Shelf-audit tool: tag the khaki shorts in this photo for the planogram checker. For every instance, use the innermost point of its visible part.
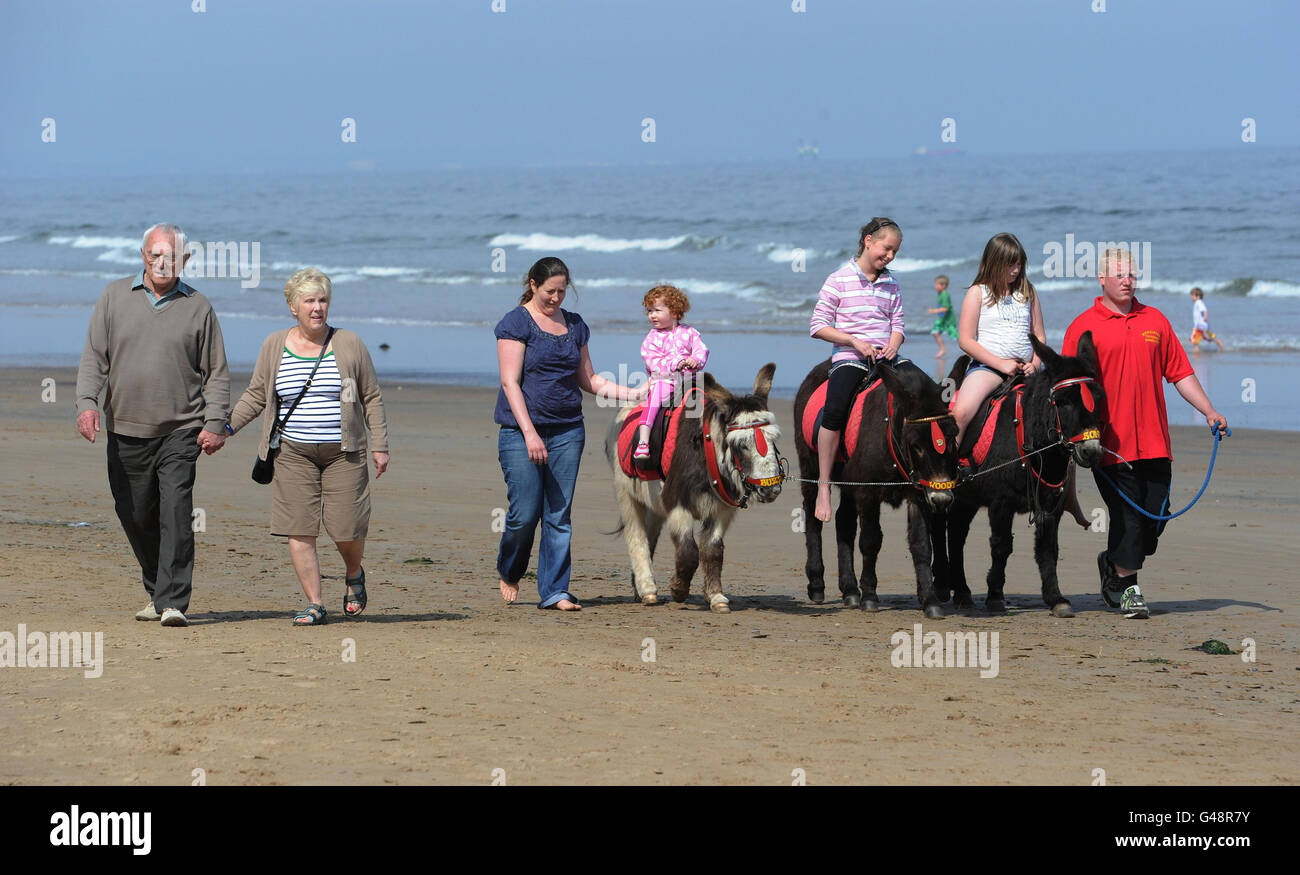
(315, 480)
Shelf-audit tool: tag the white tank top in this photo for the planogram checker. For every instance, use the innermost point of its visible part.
(1004, 327)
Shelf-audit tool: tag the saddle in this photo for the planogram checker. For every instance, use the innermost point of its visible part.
(663, 439)
(812, 418)
(978, 440)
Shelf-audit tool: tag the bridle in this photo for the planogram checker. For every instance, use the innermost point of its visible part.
(1089, 404)
(936, 438)
(711, 453)
(1060, 440)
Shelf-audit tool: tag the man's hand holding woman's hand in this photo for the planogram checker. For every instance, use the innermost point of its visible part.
(211, 441)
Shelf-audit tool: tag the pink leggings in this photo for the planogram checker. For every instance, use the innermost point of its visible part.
(660, 392)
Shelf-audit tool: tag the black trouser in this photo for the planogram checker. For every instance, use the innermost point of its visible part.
(152, 481)
(844, 380)
(1132, 537)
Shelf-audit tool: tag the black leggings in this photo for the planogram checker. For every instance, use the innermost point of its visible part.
(844, 380)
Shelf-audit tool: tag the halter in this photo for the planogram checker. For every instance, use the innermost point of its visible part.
(1089, 404)
(936, 438)
(1061, 440)
(716, 479)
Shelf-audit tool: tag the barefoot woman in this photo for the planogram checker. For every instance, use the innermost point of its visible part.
(542, 354)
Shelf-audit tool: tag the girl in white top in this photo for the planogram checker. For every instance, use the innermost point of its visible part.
(997, 316)
(999, 312)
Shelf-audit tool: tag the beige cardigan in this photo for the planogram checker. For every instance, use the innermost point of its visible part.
(361, 403)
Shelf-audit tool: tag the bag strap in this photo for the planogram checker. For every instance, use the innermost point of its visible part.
(278, 428)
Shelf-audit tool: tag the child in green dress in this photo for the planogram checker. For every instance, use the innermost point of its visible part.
(946, 323)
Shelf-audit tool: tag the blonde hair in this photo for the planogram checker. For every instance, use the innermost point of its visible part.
(309, 279)
(1110, 256)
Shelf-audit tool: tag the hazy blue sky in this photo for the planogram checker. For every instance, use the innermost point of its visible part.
(151, 86)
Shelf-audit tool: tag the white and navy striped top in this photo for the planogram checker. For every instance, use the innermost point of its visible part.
(318, 419)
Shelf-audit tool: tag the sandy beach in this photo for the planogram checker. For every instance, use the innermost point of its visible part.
(450, 686)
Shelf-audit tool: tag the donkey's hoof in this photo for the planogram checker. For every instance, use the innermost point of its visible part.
(718, 604)
(934, 612)
(680, 594)
(943, 595)
(1063, 610)
(649, 599)
(852, 601)
(871, 603)
(995, 606)
(963, 601)
(816, 596)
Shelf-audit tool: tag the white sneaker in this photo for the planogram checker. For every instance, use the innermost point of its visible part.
(147, 613)
(173, 617)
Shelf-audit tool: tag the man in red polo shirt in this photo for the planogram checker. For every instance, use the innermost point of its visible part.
(1136, 347)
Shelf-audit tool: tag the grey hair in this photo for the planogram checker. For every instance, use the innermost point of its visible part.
(178, 236)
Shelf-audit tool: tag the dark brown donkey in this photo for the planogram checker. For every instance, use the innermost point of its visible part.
(1040, 426)
(905, 438)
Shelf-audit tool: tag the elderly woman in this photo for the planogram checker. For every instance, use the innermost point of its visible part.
(545, 368)
(320, 471)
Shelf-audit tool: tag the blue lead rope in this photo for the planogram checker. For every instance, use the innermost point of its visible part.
(1227, 432)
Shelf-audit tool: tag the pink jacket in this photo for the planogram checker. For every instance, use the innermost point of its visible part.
(664, 350)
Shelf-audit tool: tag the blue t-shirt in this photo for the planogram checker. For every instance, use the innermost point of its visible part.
(550, 376)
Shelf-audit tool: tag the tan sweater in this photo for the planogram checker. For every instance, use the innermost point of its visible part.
(361, 403)
(164, 370)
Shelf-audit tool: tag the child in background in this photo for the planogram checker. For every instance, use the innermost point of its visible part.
(1201, 321)
(671, 351)
(946, 323)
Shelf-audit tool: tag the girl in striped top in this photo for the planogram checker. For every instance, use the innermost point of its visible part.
(860, 310)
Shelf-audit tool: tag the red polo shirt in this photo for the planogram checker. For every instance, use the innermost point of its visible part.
(1134, 350)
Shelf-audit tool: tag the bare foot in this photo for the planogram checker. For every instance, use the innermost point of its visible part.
(941, 353)
(1079, 518)
(566, 605)
(509, 592)
(823, 509)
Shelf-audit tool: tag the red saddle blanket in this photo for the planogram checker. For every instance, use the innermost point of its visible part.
(987, 427)
(812, 417)
(663, 441)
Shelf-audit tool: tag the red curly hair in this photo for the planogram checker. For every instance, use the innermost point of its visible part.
(674, 298)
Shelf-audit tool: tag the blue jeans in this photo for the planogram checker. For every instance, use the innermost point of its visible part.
(540, 493)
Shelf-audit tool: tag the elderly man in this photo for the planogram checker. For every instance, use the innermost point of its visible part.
(1136, 347)
(155, 343)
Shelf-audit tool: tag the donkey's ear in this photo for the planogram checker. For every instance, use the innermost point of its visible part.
(763, 382)
(716, 392)
(958, 372)
(894, 385)
(1046, 353)
(1087, 350)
